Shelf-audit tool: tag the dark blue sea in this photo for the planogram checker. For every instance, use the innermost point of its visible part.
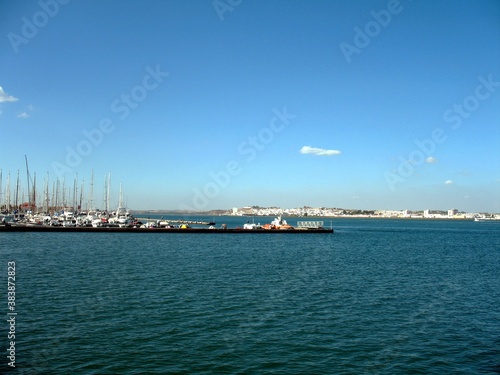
(376, 297)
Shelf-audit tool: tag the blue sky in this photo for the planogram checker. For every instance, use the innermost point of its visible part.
(208, 104)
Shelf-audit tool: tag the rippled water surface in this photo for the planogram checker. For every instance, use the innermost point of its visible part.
(378, 296)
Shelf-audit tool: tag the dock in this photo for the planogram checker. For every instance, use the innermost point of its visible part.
(116, 229)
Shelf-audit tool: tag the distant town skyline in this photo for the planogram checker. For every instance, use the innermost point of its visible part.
(205, 105)
(333, 212)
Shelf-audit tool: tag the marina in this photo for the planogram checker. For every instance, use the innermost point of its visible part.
(71, 210)
(126, 223)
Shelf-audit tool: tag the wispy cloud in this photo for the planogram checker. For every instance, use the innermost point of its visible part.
(26, 114)
(448, 182)
(431, 160)
(318, 151)
(4, 97)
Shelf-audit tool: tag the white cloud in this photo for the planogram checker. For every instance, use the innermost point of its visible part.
(4, 97)
(25, 114)
(431, 159)
(318, 151)
(448, 182)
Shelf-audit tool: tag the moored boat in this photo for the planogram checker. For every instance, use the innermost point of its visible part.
(278, 224)
(487, 219)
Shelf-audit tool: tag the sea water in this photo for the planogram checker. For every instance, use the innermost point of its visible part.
(375, 297)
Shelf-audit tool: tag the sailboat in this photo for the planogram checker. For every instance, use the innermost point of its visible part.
(122, 215)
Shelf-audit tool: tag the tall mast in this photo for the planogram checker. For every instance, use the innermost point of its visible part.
(63, 201)
(7, 193)
(46, 196)
(75, 193)
(53, 201)
(34, 193)
(107, 192)
(91, 193)
(16, 202)
(120, 202)
(57, 196)
(104, 195)
(28, 178)
(80, 207)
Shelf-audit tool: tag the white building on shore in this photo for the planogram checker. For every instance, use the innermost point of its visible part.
(338, 212)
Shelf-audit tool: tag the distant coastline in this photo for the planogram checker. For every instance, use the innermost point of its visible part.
(323, 212)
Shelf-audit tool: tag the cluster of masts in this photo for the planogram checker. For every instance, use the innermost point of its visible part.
(16, 198)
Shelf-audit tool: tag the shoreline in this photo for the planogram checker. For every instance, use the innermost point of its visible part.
(207, 214)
